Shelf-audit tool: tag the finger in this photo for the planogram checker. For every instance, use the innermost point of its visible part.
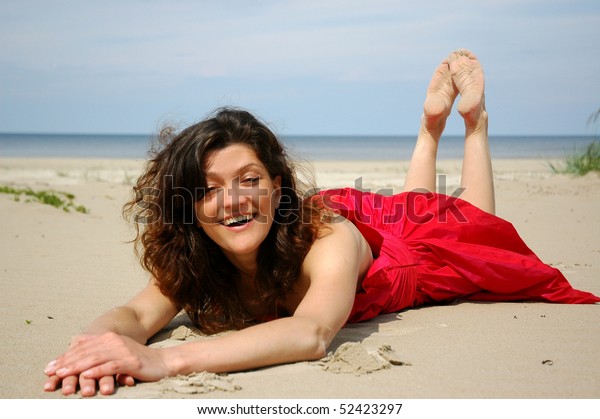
(69, 385)
(52, 383)
(50, 369)
(87, 386)
(95, 351)
(107, 385)
(125, 380)
(53, 365)
(74, 352)
(75, 362)
(107, 368)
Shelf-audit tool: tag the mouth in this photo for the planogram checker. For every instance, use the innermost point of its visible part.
(238, 220)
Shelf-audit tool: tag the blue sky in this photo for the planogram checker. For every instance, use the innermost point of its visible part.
(306, 67)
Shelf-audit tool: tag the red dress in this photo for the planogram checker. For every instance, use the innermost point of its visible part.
(432, 248)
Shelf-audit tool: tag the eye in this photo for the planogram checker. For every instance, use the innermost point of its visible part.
(210, 190)
(251, 180)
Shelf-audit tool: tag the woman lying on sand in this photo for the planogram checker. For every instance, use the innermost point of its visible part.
(227, 237)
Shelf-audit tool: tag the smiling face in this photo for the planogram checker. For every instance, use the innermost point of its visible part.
(238, 207)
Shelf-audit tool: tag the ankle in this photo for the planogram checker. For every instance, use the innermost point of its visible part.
(475, 125)
(433, 126)
(427, 143)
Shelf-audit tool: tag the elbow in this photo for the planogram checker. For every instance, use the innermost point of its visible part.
(318, 340)
(319, 350)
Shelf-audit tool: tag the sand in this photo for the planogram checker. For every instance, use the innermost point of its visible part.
(61, 269)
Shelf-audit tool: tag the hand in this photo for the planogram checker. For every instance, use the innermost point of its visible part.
(92, 359)
(69, 384)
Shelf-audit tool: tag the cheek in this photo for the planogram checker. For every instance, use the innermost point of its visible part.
(267, 203)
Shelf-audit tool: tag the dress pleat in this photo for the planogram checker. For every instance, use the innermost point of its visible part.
(431, 248)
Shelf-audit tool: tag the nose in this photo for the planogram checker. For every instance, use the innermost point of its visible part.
(235, 197)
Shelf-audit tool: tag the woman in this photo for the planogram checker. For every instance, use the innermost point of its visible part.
(227, 238)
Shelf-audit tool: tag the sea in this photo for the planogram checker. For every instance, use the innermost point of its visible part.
(311, 147)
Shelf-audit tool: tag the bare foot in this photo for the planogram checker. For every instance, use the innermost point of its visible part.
(440, 97)
(467, 76)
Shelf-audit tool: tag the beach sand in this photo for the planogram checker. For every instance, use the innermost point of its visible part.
(60, 270)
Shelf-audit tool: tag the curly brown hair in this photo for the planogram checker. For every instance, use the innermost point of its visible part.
(189, 267)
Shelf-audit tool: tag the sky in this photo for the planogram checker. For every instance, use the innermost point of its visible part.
(325, 67)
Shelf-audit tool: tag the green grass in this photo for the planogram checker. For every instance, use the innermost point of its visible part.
(61, 200)
(580, 163)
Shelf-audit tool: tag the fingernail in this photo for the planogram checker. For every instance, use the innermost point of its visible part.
(47, 387)
(50, 367)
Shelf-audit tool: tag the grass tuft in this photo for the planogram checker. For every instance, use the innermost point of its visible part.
(57, 199)
(580, 163)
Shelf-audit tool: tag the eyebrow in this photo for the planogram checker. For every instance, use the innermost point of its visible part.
(238, 170)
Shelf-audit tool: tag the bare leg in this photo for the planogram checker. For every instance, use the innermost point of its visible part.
(438, 104)
(477, 176)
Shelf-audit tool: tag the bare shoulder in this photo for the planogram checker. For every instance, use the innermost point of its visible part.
(330, 274)
(339, 242)
(335, 235)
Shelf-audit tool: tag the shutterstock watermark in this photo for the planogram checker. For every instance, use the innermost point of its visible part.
(187, 206)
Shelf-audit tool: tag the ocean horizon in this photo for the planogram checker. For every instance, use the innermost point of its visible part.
(310, 147)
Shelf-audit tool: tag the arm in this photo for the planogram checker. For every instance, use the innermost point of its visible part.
(327, 290)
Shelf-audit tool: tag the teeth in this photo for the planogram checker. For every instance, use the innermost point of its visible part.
(237, 219)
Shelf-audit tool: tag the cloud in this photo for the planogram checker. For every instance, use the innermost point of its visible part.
(269, 52)
(336, 39)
